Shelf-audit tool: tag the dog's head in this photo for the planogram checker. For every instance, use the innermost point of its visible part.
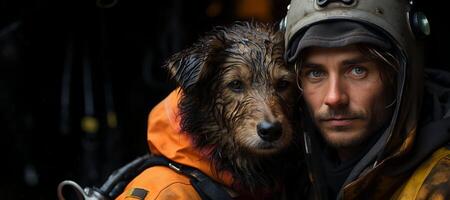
(238, 94)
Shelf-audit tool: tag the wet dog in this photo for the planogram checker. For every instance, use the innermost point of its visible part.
(238, 100)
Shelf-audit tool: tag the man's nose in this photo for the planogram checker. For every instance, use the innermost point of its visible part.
(337, 94)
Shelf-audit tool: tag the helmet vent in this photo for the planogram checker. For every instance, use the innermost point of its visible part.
(323, 3)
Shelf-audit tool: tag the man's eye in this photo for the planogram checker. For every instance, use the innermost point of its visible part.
(314, 74)
(236, 86)
(358, 71)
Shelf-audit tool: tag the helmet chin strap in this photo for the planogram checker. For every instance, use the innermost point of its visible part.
(391, 104)
(297, 71)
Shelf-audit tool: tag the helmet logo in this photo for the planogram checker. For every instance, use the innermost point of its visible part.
(323, 3)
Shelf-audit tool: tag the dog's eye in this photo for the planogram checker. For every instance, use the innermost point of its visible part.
(282, 85)
(236, 86)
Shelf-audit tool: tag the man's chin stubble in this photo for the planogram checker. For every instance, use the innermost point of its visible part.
(341, 142)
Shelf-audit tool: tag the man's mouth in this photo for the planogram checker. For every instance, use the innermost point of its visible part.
(339, 121)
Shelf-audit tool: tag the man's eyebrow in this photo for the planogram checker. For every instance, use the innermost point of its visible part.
(311, 65)
(356, 60)
(350, 61)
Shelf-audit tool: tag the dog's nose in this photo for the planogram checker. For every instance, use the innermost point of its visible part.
(269, 131)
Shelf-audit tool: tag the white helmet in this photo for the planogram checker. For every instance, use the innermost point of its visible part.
(398, 18)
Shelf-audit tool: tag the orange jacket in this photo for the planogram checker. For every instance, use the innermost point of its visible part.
(165, 138)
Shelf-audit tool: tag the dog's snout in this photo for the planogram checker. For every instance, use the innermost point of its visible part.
(269, 131)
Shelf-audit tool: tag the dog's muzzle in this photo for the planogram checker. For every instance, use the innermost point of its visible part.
(269, 131)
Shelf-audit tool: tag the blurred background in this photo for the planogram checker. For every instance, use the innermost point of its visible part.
(78, 79)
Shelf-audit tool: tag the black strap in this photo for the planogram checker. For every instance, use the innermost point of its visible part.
(207, 188)
(119, 179)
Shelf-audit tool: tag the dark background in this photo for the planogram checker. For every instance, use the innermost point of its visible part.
(62, 61)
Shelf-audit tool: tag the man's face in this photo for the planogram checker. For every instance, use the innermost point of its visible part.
(345, 94)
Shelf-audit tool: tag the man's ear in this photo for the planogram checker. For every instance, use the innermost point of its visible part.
(191, 65)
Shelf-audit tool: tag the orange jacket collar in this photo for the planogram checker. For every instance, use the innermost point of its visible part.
(165, 137)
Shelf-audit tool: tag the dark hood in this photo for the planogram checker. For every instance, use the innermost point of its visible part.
(434, 124)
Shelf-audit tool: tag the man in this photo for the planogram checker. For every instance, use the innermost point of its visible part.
(374, 127)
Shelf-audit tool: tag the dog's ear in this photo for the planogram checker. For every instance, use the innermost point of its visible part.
(191, 65)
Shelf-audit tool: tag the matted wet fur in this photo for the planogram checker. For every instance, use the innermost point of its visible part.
(238, 101)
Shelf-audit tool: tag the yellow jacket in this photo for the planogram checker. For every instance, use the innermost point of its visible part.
(430, 180)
